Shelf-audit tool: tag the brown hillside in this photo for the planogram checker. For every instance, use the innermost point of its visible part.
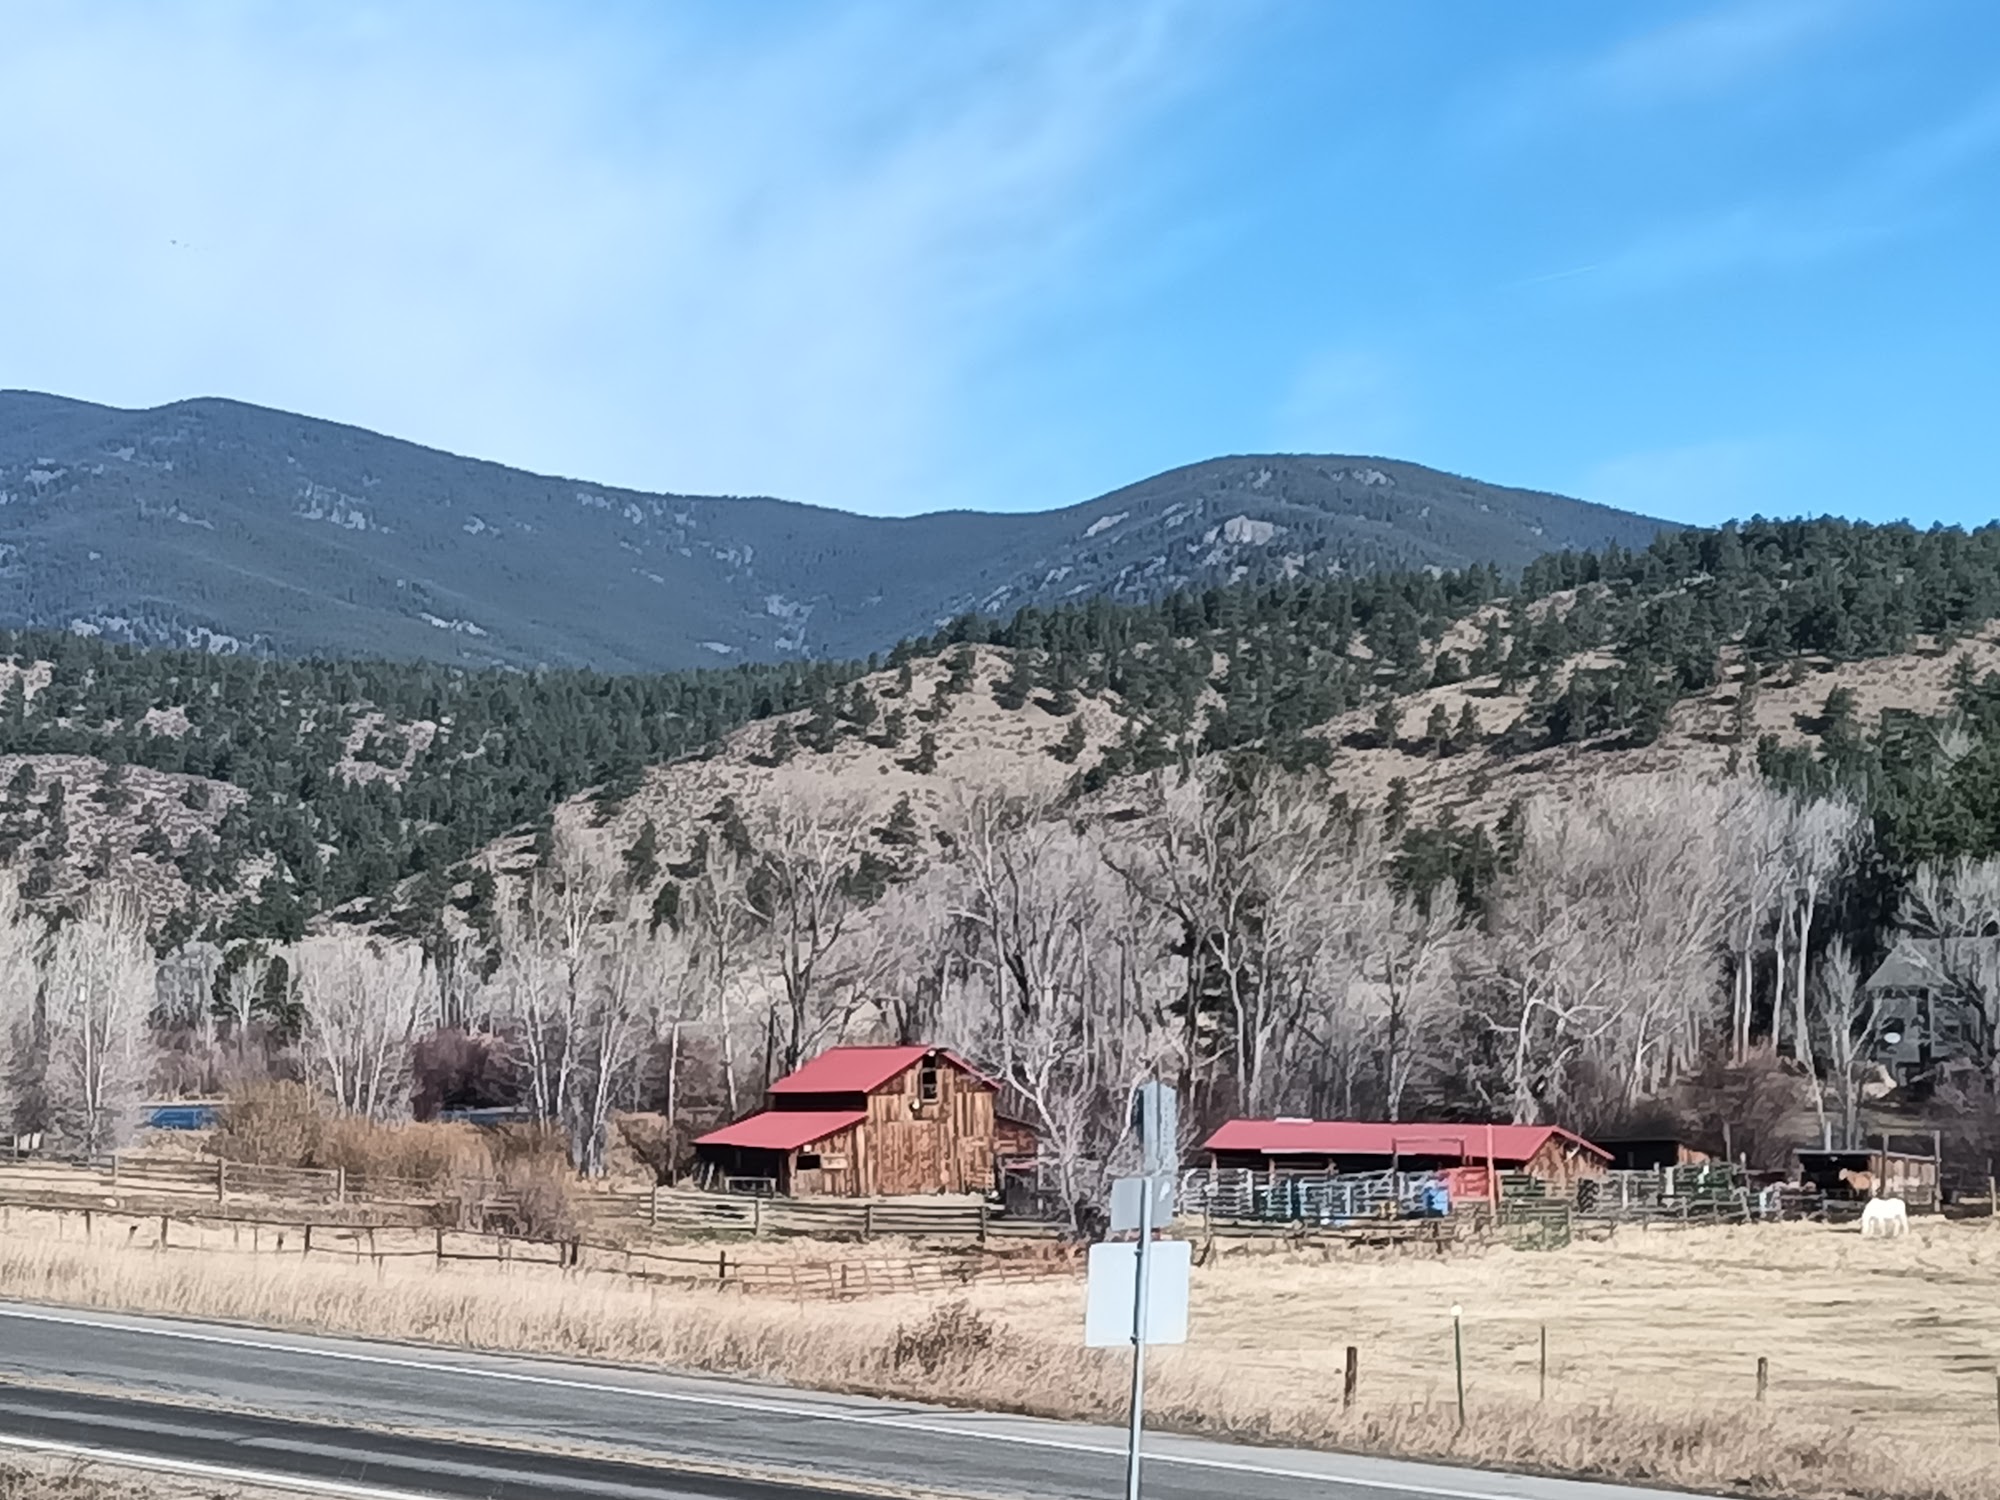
(979, 746)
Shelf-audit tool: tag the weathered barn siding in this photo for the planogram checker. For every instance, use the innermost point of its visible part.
(897, 1121)
(1560, 1165)
(941, 1144)
(838, 1167)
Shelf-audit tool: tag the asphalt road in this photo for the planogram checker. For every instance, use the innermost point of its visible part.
(371, 1418)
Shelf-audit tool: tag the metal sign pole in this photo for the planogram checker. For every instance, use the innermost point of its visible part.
(1139, 1311)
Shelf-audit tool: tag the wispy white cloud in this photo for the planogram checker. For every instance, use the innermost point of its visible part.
(1649, 68)
(1879, 198)
(1720, 47)
(689, 247)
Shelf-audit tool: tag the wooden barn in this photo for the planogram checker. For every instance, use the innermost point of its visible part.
(863, 1122)
(1558, 1158)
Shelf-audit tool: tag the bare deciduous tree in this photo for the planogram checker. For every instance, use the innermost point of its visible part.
(1057, 952)
(1412, 940)
(1238, 860)
(363, 1001)
(1605, 939)
(1846, 1015)
(1824, 837)
(583, 984)
(811, 879)
(20, 1009)
(98, 993)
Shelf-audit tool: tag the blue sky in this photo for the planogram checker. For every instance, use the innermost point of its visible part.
(1697, 259)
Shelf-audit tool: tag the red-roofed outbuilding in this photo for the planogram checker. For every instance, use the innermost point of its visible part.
(1549, 1152)
(865, 1122)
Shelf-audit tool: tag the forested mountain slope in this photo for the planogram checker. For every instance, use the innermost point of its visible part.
(1823, 653)
(1567, 848)
(212, 523)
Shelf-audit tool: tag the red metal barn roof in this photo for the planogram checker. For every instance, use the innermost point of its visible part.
(783, 1129)
(1337, 1138)
(856, 1070)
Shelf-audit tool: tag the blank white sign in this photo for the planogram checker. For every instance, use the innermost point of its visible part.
(1107, 1313)
(1126, 1195)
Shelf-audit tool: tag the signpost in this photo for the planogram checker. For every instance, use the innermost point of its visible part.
(1138, 1292)
(1126, 1209)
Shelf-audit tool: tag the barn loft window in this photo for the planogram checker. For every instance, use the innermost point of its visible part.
(927, 1081)
(808, 1161)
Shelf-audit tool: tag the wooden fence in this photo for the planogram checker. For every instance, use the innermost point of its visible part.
(827, 1218)
(836, 1279)
(121, 1178)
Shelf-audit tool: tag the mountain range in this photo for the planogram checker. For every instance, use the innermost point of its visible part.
(214, 523)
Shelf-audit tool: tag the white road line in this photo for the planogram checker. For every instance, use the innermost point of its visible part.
(926, 1426)
(195, 1470)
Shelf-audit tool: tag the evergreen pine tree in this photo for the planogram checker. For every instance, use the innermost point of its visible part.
(925, 760)
(642, 860)
(1466, 734)
(1388, 723)
(1072, 744)
(1396, 810)
(1012, 691)
(782, 745)
(1437, 730)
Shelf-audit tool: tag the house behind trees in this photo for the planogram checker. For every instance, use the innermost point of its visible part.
(1928, 1003)
(863, 1122)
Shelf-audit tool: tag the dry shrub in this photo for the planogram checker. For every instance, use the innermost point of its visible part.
(953, 1335)
(541, 1198)
(446, 1159)
(287, 1125)
(270, 1125)
(652, 1144)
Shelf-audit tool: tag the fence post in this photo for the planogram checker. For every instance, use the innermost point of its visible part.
(1545, 1364)
(867, 1221)
(440, 1245)
(653, 1208)
(721, 1268)
(1763, 1375)
(1458, 1361)
(163, 1231)
(1350, 1379)
(222, 1179)
(756, 1217)
(308, 1247)
(114, 1171)
(340, 1186)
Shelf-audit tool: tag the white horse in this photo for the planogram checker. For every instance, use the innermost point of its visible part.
(1884, 1218)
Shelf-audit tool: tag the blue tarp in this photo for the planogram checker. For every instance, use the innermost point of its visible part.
(183, 1116)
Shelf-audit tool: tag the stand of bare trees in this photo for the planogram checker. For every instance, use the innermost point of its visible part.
(1251, 933)
(583, 986)
(76, 1002)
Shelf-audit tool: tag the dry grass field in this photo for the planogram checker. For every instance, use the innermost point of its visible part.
(61, 1479)
(1897, 1337)
(1882, 1353)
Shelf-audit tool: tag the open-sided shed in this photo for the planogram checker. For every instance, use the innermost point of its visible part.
(1874, 1172)
(1549, 1153)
